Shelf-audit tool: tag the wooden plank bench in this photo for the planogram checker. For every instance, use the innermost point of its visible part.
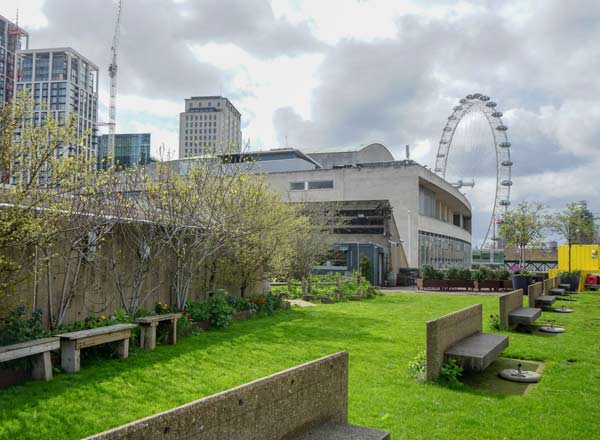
(309, 401)
(72, 343)
(39, 350)
(459, 336)
(512, 313)
(148, 325)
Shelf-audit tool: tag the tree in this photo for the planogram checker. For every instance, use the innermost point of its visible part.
(265, 229)
(42, 168)
(575, 224)
(313, 239)
(523, 227)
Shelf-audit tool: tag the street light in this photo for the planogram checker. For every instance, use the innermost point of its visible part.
(409, 247)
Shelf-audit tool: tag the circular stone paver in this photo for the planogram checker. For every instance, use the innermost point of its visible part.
(562, 310)
(522, 376)
(551, 329)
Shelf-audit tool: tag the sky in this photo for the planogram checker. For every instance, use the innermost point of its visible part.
(311, 73)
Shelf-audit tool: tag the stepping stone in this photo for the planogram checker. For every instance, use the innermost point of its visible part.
(551, 329)
(562, 310)
(522, 376)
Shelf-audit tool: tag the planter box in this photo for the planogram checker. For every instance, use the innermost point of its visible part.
(201, 325)
(507, 284)
(238, 316)
(490, 284)
(424, 283)
(460, 284)
(520, 282)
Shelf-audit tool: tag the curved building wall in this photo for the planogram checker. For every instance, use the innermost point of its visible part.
(399, 182)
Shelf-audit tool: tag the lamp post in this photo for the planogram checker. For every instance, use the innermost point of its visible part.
(409, 256)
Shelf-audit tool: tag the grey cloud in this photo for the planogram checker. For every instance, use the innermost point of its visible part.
(156, 58)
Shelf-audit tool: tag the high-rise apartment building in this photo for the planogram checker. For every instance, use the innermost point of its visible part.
(63, 83)
(209, 124)
(131, 149)
(12, 38)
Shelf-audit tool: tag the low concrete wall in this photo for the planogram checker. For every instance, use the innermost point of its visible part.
(508, 303)
(279, 406)
(533, 291)
(446, 331)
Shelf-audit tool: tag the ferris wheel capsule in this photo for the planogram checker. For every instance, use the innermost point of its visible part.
(497, 114)
(501, 128)
(491, 104)
(507, 183)
(484, 98)
(507, 163)
(469, 96)
(504, 145)
(462, 101)
(504, 202)
(448, 129)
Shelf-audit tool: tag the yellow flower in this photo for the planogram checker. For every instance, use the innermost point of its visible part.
(102, 318)
(165, 306)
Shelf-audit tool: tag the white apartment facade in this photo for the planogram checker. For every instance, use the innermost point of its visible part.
(11, 40)
(209, 124)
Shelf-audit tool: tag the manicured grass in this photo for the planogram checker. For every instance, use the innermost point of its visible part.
(381, 335)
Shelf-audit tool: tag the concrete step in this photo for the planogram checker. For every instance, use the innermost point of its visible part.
(338, 431)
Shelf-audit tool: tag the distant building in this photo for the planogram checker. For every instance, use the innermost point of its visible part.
(63, 83)
(11, 38)
(131, 149)
(209, 124)
(399, 214)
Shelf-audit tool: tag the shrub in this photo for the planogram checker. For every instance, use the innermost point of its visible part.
(365, 267)
(416, 367)
(479, 275)
(494, 322)
(428, 272)
(504, 274)
(464, 273)
(17, 328)
(451, 373)
(453, 273)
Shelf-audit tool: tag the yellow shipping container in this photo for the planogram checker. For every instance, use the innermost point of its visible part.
(584, 257)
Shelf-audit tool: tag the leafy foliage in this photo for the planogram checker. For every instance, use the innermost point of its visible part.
(417, 367)
(523, 226)
(451, 373)
(17, 328)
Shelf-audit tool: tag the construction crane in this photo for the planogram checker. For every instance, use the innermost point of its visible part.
(112, 73)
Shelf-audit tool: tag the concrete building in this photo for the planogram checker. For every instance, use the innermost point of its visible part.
(131, 149)
(209, 124)
(399, 213)
(12, 39)
(63, 83)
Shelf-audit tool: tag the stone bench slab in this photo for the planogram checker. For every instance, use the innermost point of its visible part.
(524, 315)
(557, 291)
(337, 431)
(545, 300)
(478, 351)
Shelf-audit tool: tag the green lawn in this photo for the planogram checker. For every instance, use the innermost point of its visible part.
(381, 335)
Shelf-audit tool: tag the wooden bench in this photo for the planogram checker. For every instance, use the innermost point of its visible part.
(459, 336)
(309, 401)
(148, 325)
(512, 313)
(72, 343)
(39, 350)
(537, 298)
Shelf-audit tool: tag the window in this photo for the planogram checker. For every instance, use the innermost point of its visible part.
(456, 219)
(297, 186)
(320, 184)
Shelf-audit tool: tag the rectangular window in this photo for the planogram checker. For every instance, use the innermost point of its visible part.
(456, 219)
(320, 184)
(297, 186)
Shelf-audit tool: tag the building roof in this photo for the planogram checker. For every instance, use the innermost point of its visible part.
(60, 49)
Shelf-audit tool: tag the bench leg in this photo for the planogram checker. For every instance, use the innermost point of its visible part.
(42, 367)
(123, 348)
(69, 356)
(172, 332)
(148, 336)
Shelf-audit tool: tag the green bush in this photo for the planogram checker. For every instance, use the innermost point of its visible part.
(453, 273)
(504, 274)
(464, 273)
(429, 272)
(417, 367)
(17, 328)
(494, 322)
(216, 309)
(451, 373)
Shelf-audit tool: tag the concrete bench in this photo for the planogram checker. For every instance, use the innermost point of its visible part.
(512, 313)
(536, 296)
(148, 325)
(72, 343)
(39, 350)
(551, 287)
(557, 291)
(459, 336)
(309, 401)
(525, 316)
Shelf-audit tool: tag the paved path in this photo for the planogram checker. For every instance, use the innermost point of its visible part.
(300, 303)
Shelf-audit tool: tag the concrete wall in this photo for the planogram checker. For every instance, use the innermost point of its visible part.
(276, 407)
(533, 291)
(508, 303)
(95, 292)
(446, 331)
